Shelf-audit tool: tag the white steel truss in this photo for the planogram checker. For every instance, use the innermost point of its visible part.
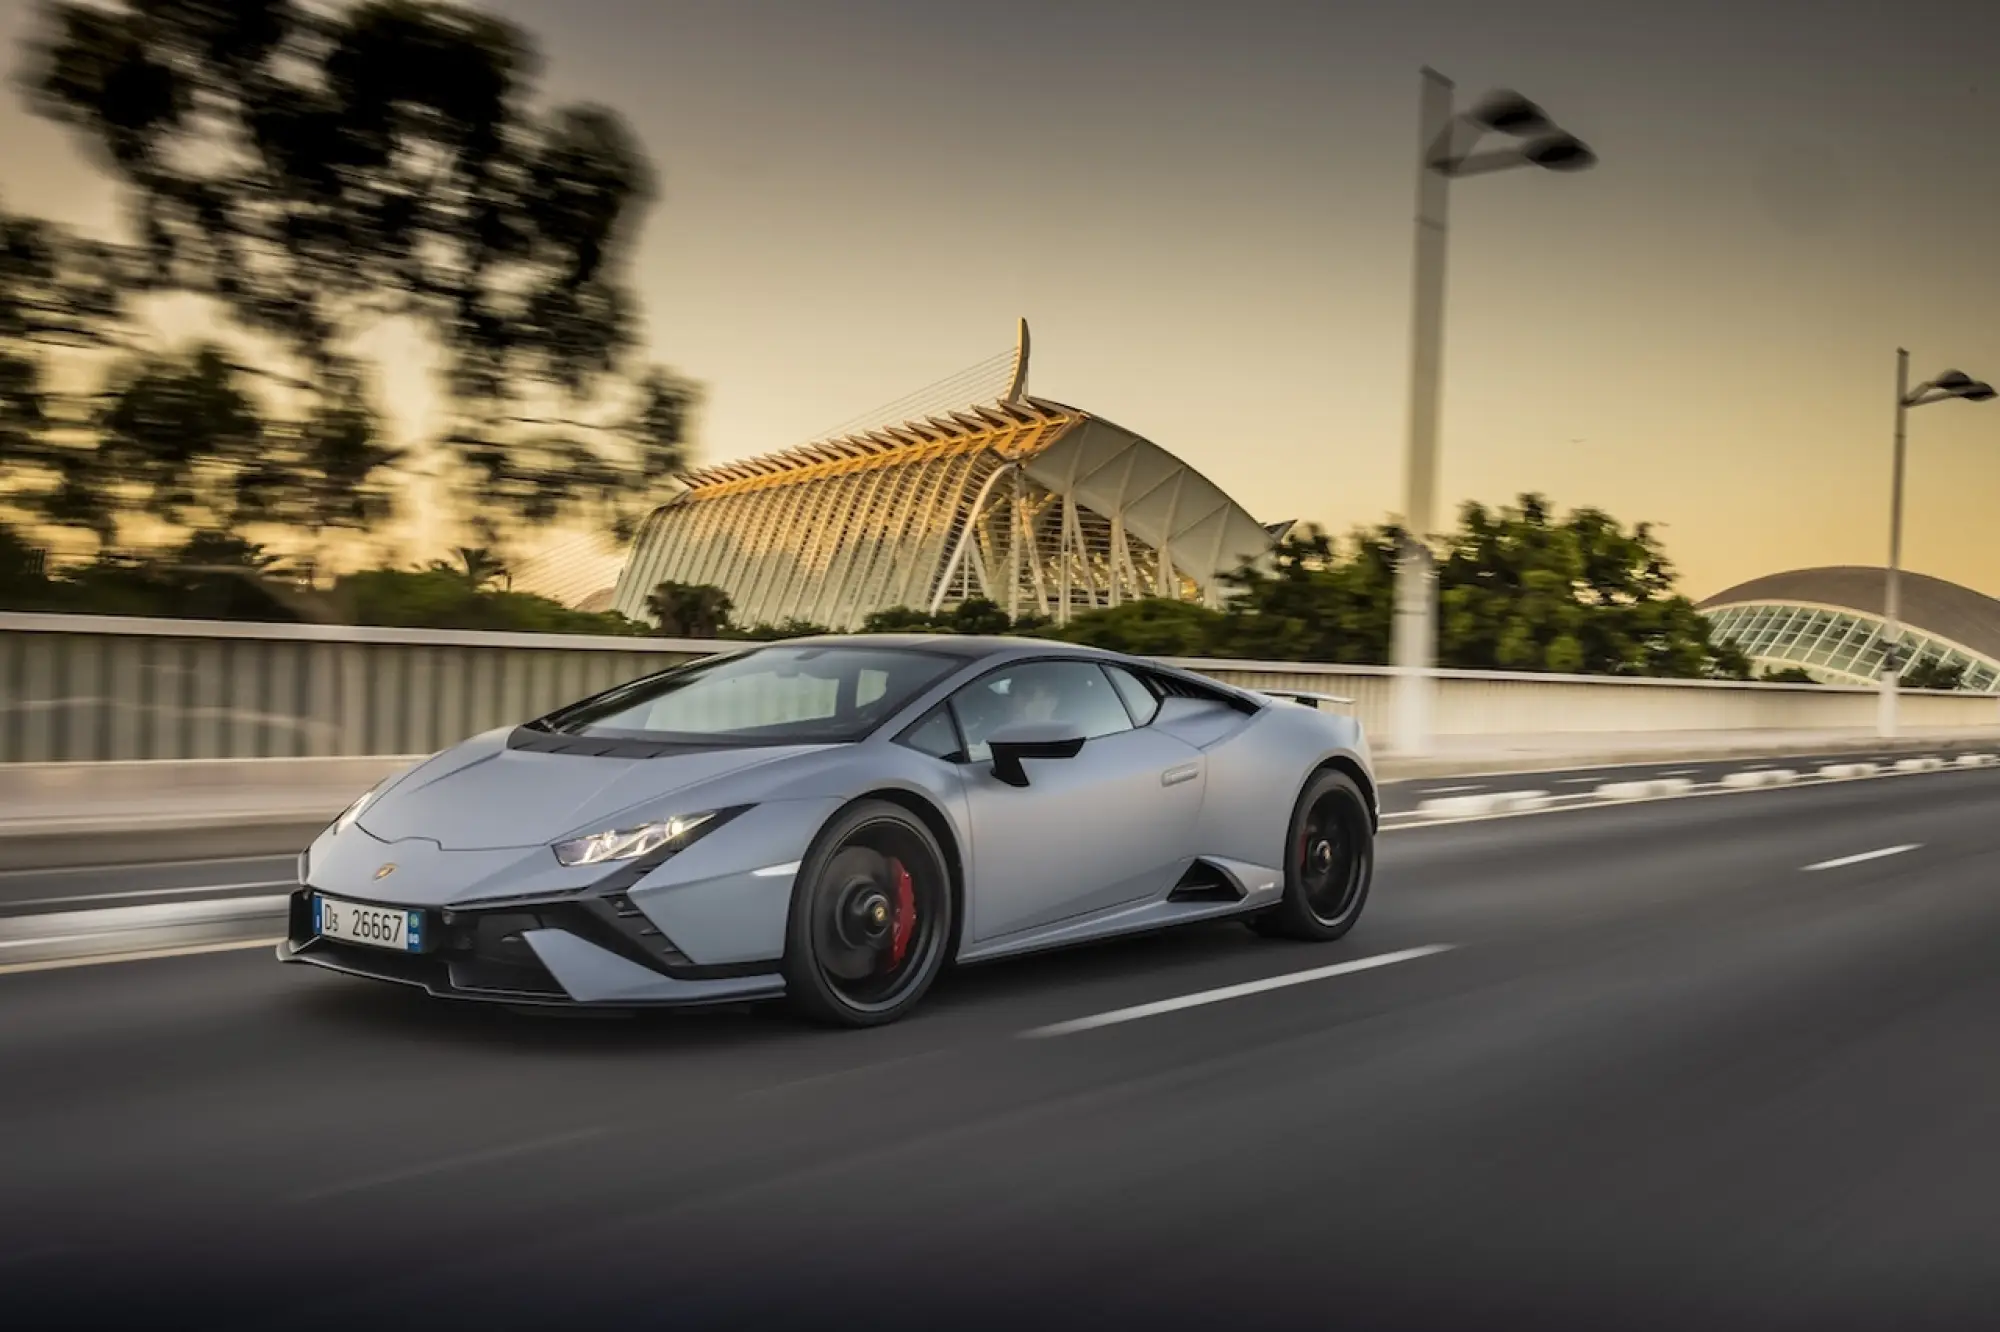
(1035, 506)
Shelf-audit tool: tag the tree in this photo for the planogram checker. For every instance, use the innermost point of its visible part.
(443, 598)
(477, 565)
(689, 610)
(765, 633)
(1317, 602)
(1787, 675)
(1934, 673)
(175, 434)
(1152, 627)
(329, 471)
(317, 174)
(58, 295)
(1523, 590)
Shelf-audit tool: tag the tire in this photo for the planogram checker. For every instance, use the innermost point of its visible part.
(875, 873)
(1326, 877)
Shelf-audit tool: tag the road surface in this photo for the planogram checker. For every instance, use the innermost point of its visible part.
(1690, 1063)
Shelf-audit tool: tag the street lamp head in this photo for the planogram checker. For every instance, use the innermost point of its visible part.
(1509, 113)
(1560, 152)
(1953, 381)
(1977, 391)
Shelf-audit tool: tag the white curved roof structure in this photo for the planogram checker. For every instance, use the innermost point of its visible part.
(1034, 505)
(1830, 622)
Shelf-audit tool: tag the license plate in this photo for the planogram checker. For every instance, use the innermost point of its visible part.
(377, 927)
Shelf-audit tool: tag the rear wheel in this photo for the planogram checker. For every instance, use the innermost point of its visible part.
(870, 920)
(1329, 862)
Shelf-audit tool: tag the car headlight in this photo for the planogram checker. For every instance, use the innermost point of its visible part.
(630, 843)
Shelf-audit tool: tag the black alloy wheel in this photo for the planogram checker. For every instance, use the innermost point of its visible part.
(1329, 862)
(871, 917)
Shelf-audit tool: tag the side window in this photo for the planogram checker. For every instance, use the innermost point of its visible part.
(934, 735)
(1139, 698)
(1038, 691)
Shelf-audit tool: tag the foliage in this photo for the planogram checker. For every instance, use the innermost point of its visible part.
(1518, 589)
(689, 610)
(765, 633)
(447, 599)
(219, 576)
(1154, 627)
(1934, 673)
(319, 173)
(1787, 675)
(477, 565)
(1523, 590)
(975, 615)
(57, 293)
(200, 582)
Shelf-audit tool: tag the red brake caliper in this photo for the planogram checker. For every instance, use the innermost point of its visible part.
(905, 920)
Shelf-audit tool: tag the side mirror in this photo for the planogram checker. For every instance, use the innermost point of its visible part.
(1031, 740)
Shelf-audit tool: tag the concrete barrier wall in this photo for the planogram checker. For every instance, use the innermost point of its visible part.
(104, 689)
(1505, 703)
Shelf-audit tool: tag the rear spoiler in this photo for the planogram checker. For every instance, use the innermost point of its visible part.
(1302, 696)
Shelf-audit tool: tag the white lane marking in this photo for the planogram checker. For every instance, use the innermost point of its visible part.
(1227, 992)
(1447, 790)
(148, 955)
(1577, 781)
(1865, 855)
(776, 871)
(149, 892)
(449, 1163)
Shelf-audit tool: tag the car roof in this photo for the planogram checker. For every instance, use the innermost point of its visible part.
(972, 647)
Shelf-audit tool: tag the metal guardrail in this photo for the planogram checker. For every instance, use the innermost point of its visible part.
(77, 688)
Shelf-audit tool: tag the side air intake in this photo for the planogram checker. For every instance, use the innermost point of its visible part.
(1203, 882)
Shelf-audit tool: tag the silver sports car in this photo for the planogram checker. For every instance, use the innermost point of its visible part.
(834, 820)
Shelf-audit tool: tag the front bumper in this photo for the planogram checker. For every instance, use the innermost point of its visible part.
(594, 950)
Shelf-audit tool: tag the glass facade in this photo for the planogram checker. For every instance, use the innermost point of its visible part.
(1838, 646)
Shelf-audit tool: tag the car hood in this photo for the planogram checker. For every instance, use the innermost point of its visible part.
(509, 798)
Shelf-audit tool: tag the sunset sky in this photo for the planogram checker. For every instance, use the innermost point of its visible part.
(1204, 212)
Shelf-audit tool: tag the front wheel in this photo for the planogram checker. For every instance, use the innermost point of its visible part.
(870, 919)
(1329, 862)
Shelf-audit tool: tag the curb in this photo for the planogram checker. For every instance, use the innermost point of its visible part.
(1389, 768)
(1466, 808)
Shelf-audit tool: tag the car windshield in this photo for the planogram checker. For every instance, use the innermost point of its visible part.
(772, 695)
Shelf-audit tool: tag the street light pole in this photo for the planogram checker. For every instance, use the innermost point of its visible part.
(1885, 711)
(1950, 384)
(1445, 148)
(1415, 629)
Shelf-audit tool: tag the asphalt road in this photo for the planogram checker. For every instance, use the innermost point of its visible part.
(85, 886)
(1664, 1075)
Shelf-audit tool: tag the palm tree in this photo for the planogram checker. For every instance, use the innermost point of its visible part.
(477, 565)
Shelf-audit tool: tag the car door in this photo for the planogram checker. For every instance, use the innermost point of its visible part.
(1109, 826)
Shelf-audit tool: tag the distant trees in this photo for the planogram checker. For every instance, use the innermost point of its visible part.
(1934, 673)
(1518, 588)
(1521, 589)
(689, 610)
